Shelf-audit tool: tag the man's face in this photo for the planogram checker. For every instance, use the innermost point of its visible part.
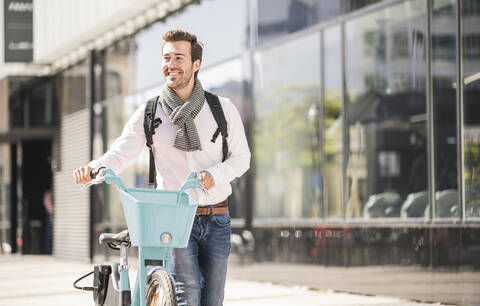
(177, 65)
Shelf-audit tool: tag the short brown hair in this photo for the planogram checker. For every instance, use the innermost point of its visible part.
(196, 49)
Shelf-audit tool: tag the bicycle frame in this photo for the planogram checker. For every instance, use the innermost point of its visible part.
(146, 254)
(157, 221)
(156, 257)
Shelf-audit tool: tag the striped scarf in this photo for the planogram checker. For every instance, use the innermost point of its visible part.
(182, 114)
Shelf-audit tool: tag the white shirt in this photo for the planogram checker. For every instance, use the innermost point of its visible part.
(174, 165)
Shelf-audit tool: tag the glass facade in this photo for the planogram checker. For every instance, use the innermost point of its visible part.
(333, 122)
(286, 131)
(444, 78)
(470, 42)
(135, 175)
(120, 68)
(73, 84)
(385, 105)
(277, 18)
(232, 84)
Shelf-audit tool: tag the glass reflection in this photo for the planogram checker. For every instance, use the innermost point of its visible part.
(471, 91)
(444, 77)
(286, 147)
(277, 18)
(74, 88)
(386, 110)
(119, 68)
(116, 116)
(333, 136)
(231, 85)
(227, 80)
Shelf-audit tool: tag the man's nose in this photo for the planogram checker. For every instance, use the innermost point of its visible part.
(171, 63)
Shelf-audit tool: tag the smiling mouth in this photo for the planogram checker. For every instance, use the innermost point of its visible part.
(173, 73)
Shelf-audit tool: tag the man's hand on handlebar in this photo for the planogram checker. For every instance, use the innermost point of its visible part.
(207, 179)
(82, 175)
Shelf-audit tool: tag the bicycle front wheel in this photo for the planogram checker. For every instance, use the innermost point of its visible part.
(160, 290)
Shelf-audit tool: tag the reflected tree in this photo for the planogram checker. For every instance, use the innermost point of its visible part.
(287, 152)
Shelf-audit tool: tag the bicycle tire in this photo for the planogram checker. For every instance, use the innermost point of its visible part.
(160, 290)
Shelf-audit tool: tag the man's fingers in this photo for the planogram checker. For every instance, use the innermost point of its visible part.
(82, 175)
(78, 176)
(207, 181)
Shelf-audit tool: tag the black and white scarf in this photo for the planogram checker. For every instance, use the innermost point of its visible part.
(182, 114)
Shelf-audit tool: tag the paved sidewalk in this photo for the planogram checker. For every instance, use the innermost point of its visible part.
(44, 280)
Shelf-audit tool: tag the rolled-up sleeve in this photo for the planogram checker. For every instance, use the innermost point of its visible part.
(125, 148)
(238, 158)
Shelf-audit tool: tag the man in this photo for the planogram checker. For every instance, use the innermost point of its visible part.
(182, 145)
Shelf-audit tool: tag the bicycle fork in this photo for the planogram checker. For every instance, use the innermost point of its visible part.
(154, 257)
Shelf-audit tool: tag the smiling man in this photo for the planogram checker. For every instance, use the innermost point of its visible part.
(182, 144)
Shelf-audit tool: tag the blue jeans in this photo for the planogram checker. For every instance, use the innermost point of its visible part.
(200, 270)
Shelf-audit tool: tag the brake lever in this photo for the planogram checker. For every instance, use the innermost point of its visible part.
(96, 181)
(204, 189)
(199, 176)
(97, 178)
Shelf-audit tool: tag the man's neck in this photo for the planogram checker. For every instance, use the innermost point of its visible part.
(185, 92)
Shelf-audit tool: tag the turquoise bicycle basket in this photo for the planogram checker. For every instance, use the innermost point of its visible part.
(157, 218)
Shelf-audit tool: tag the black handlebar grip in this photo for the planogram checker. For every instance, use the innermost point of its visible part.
(94, 173)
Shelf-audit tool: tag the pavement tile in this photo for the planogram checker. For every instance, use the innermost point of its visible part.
(46, 281)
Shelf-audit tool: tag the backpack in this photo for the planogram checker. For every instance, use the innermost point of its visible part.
(150, 123)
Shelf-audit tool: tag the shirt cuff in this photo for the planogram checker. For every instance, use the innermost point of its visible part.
(93, 164)
(216, 174)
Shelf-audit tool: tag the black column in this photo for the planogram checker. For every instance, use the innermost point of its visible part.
(13, 198)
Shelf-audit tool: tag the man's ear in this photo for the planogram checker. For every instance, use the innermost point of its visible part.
(196, 65)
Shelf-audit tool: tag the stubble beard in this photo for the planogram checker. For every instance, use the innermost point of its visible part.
(182, 82)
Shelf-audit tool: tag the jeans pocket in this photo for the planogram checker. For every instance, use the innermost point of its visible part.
(222, 221)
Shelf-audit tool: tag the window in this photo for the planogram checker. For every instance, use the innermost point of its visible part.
(74, 85)
(471, 92)
(227, 80)
(444, 77)
(333, 126)
(386, 112)
(286, 132)
(277, 18)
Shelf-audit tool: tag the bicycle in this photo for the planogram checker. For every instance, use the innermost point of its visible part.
(157, 221)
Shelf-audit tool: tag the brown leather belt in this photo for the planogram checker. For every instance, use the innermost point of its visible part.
(218, 209)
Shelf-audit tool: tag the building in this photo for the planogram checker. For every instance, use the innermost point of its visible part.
(361, 116)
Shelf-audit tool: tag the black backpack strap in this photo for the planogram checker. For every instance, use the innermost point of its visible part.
(219, 116)
(149, 126)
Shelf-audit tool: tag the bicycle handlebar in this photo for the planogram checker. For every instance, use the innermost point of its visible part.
(95, 172)
(109, 176)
